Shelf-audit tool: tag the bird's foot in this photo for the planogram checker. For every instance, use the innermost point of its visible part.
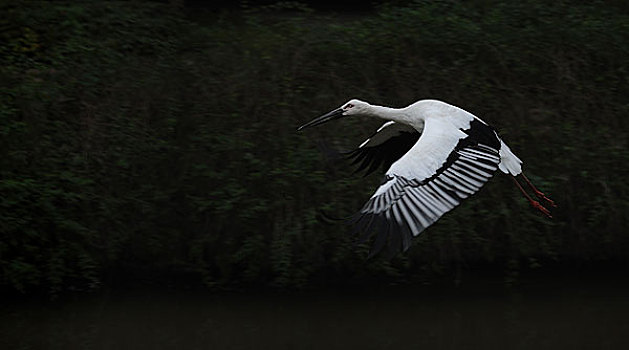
(536, 205)
(543, 197)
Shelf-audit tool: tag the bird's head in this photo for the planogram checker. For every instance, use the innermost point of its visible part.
(351, 107)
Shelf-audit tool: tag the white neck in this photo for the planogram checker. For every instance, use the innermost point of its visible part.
(396, 114)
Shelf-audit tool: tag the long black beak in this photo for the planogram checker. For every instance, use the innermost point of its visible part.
(335, 114)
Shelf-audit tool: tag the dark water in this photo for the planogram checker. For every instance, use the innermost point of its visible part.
(577, 315)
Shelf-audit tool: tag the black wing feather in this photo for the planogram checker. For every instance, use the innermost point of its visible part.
(384, 154)
(409, 206)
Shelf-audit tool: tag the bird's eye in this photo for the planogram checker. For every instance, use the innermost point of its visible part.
(349, 105)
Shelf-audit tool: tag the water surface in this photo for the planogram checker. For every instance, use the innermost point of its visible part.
(577, 315)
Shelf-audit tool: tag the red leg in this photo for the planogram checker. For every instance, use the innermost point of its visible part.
(538, 193)
(535, 204)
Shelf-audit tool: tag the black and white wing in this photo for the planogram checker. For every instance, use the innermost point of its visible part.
(388, 144)
(445, 166)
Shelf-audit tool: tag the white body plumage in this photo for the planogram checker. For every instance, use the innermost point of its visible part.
(436, 155)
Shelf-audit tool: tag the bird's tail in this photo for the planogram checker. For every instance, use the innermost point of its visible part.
(509, 162)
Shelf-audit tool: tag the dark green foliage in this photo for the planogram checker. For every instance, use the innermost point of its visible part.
(134, 138)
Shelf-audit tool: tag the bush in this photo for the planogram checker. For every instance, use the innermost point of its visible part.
(137, 139)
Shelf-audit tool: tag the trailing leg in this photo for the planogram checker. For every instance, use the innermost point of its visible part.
(535, 204)
(538, 193)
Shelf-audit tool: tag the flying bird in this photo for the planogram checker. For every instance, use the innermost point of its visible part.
(436, 155)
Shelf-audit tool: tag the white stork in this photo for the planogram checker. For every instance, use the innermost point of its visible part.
(436, 155)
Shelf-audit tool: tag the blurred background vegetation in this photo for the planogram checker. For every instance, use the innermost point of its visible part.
(155, 143)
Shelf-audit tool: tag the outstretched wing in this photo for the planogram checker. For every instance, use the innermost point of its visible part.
(388, 144)
(446, 165)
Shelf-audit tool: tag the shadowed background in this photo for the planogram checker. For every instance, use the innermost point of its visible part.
(148, 143)
(153, 184)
